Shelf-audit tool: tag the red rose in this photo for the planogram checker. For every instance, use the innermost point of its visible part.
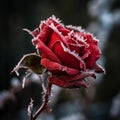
(68, 52)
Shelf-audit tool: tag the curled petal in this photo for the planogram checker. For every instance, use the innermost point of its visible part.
(94, 56)
(54, 20)
(80, 39)
(52, 25)
(54, 38)
(62, 37)
(53, 66)
(86, 53)
(90, 39)
(41, 47)
(58, 24)
(99, 68)
(75, 55)
(34, 33)
(68, 58)
(45, 34)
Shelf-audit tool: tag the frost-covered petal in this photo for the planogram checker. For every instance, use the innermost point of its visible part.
(62, 37)
(57, 23)
(75, 28)
(65, 84)
(94, 55)
(44, 49)
(45, 34)
(90, 39)
(81, 39)
(67, 57)
(54, 38)
(34, 33)
(84, 52)
(72, 81)
(53, 66)
(99, 68)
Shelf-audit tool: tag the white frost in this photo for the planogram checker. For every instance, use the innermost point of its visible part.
(76, 28)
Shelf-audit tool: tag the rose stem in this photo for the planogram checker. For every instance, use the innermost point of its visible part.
(45, 101)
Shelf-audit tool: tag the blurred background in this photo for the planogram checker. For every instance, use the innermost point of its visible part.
(99, 102)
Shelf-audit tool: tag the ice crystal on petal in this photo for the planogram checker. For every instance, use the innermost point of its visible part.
(81, 39)
(55, 19)
(41, 23)
(75, 28)
(70, 34)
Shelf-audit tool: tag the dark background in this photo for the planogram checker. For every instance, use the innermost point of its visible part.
(14, 43)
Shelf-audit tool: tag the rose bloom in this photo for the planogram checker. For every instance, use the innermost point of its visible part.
(68, 52)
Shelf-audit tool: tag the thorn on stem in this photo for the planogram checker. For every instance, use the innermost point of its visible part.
(30, 107)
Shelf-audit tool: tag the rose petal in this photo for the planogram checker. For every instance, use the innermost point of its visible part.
(71, 81)
(99, 68)
(76, 77)
(89, 38)
(75, 28)
(34, 33)
(67, 57)
(54, 20)
(62, 37)
(84, 52)
(73, 44)
(64, 84)
(53, 66)
(58, 25)
(80, 39)
(45, 34)
(54, 38)
(42, 48)
(94, 56)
